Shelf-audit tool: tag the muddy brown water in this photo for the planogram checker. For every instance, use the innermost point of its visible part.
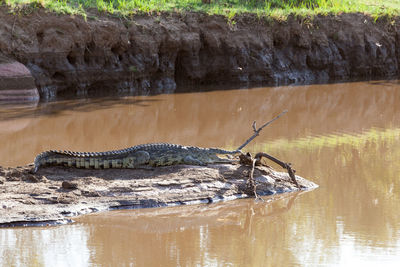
(345, 137)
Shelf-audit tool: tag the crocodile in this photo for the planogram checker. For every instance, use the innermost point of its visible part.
(140, 156)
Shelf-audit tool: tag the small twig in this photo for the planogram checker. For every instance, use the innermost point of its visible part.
(257, 131)
(250, 182)
(282, 164)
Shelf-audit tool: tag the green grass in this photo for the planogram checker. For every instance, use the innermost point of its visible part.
(276, 9)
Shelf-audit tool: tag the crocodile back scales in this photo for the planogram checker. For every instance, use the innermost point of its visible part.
(159, 154)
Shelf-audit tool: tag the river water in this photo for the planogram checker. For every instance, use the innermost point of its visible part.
(345, 137)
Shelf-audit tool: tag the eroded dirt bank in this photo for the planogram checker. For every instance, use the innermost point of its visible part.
(56, 194)
(154, 54)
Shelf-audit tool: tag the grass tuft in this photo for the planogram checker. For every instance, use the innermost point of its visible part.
(276, 9)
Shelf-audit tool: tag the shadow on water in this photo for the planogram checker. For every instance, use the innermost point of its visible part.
(54, 108)
(104, 100)
(387, 83)
(198, 88)
(173, 219)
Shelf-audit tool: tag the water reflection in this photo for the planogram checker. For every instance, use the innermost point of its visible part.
(345, 137)
(54, 246)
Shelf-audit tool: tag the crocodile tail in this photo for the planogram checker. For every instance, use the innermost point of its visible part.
(108, 159)
(57, 157)
(40, 158)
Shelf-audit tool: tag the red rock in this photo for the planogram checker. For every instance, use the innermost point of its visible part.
(16, 82)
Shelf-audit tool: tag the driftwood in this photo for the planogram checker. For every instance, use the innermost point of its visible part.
(249, 160)
(284, 165)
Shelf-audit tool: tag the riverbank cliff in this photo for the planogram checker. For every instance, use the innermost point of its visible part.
(170, 52)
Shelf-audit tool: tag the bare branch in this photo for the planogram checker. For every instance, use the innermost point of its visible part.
(257, 131)
(282, 164)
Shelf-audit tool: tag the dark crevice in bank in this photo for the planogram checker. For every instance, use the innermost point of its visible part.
(69, 56)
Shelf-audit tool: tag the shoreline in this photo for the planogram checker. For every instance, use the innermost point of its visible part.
(55, 195)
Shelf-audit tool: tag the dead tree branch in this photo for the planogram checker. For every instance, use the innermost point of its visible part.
(247, 159)
(257, 131)
(284, 165)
